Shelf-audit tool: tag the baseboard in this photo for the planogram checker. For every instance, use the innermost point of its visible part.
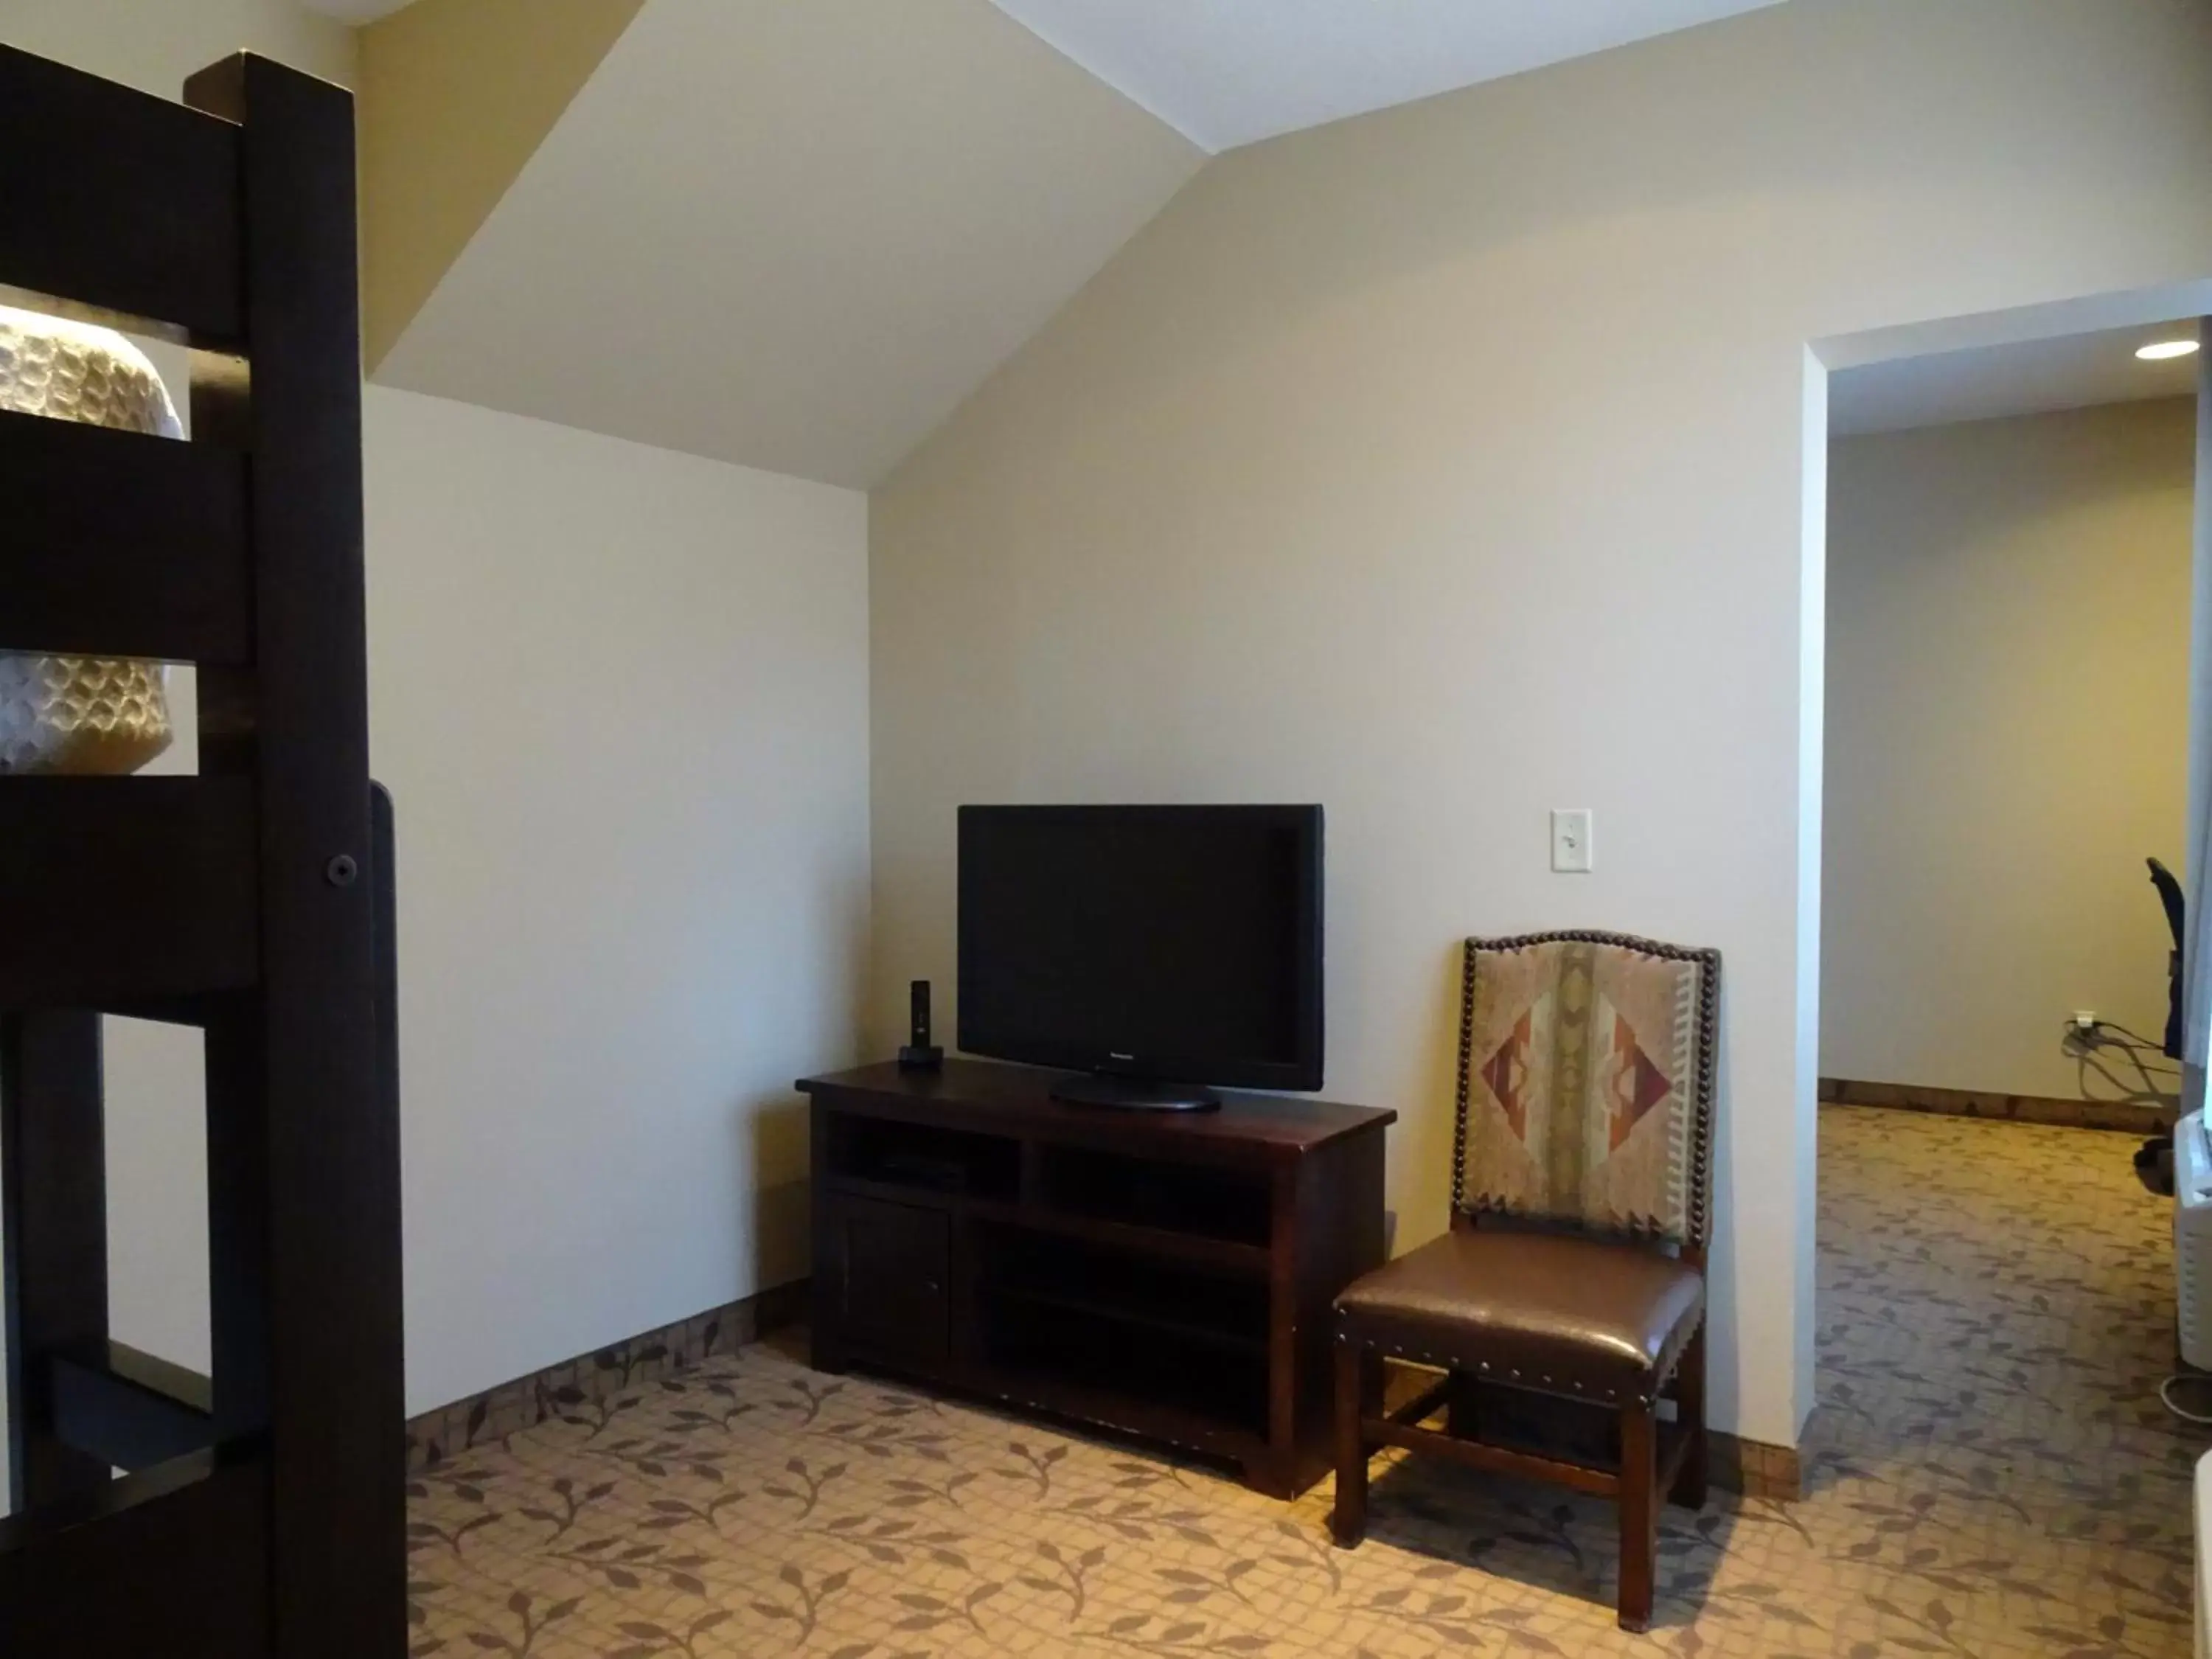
(580, 1386)
(1754, 1468)
(2130, 1117)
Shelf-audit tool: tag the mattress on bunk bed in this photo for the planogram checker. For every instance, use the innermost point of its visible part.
(85, 714)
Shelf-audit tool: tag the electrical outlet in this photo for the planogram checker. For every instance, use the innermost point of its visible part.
(1571, 839)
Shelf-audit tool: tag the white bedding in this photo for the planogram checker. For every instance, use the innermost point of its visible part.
(80, 713)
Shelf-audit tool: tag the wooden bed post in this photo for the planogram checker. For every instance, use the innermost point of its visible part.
(262, 1511)
(301, 1080)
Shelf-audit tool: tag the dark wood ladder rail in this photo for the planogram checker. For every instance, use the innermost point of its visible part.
(262, 1515)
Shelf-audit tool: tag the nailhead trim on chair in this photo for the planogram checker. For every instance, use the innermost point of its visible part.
(1701, 1175)
(1661, 1374)
(1397, 1351)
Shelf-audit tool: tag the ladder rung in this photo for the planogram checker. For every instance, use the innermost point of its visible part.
(118, 199)
(114, 889)
(122, 544)
(189, 1540)
(130, 1409)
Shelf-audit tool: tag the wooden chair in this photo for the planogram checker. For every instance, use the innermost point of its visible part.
(1571, 1285)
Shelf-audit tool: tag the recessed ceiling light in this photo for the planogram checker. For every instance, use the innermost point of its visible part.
(2164, 350)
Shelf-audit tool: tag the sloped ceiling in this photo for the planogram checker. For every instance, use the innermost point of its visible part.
(456, 97)
(1231, 72)
(794, 236)
(797, 234)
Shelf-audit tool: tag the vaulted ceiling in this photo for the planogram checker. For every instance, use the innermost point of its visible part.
(1231, 72)
(797, 234)
(794, 235)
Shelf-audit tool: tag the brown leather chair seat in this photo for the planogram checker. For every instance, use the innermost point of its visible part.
(1576, 1315)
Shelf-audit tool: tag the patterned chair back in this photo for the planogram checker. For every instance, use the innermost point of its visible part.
(1586, 1085)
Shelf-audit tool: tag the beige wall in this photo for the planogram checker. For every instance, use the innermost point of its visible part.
(1448, 465)
(153, 45)
(2006, 741)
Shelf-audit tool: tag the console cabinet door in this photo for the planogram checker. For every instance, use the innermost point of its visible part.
(892, 1264)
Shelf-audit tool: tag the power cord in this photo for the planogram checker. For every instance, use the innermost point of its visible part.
(2166, 1396)
(2134, 1038)
(2152, 1088)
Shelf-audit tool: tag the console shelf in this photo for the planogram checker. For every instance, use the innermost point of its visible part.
(1103, 1312)
(1218, 1254)
(1168, 1276)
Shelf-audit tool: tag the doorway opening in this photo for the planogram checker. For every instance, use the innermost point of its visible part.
(2000, 644)
(2007, 726)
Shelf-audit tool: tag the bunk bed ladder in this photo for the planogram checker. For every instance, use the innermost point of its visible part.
(261, 1512)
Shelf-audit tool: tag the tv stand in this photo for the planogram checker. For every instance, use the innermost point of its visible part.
(1130, 1094)
(1164, 1276)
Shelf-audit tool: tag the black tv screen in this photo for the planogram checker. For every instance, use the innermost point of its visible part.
(1179, 942)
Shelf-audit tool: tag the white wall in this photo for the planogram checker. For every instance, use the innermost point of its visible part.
(1448, 465)
(620, 697)
(2006, 741)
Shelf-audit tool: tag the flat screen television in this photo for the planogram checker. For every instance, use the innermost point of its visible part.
(1153, 949)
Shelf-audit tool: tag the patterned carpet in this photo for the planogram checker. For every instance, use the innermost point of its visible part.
(1991, 1476)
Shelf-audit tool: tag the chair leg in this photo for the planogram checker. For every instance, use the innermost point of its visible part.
(1463, 1419)
(1358, 1384)
(1640, 1514)
(1689, 1488)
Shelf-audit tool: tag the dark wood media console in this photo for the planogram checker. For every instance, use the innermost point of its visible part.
(1163, 1275)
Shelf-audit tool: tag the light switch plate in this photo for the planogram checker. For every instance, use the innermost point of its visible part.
(1571, 839)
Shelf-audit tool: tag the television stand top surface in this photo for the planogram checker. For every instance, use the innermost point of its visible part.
(1130, 1094)
(1016, 1100)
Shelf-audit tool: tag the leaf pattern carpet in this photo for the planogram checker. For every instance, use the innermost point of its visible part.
(1989, 1474)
